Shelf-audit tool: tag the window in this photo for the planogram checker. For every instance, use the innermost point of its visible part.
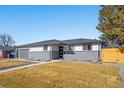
(44, 48)
(65, 48)
(71, 48)
(87, 47)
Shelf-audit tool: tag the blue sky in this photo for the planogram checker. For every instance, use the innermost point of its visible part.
(27, 24)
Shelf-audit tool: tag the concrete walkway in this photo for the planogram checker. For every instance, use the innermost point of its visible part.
(21, 67)
(121, 67)
(28, 64)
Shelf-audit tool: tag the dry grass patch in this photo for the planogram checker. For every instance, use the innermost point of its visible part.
(63, 75)
(8, 63)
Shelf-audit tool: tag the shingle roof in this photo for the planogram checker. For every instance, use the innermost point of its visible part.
(57, 42)
(80, 41)
(46, 42)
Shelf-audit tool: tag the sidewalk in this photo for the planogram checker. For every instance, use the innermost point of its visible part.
(121, 67)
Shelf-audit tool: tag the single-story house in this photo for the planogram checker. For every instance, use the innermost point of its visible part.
(74, 49)
(7, 52)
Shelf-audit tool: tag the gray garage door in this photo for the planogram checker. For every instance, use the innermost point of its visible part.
(23, 53)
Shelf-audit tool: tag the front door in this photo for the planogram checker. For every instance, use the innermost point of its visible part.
(60, 51)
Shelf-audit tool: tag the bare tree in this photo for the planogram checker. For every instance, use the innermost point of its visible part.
(6, 40)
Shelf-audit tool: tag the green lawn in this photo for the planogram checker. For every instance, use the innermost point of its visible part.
(63, 75)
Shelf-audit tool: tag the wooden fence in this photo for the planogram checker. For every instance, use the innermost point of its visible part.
(112, 55)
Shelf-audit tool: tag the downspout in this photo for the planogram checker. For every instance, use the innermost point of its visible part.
(50, 53)
(99, 44)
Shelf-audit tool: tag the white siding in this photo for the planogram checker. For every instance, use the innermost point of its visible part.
(48, 48)
(96, 47)
(78, 48)
(36, 49)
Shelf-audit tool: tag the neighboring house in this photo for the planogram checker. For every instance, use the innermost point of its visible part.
(7, 52)
(74, 49)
